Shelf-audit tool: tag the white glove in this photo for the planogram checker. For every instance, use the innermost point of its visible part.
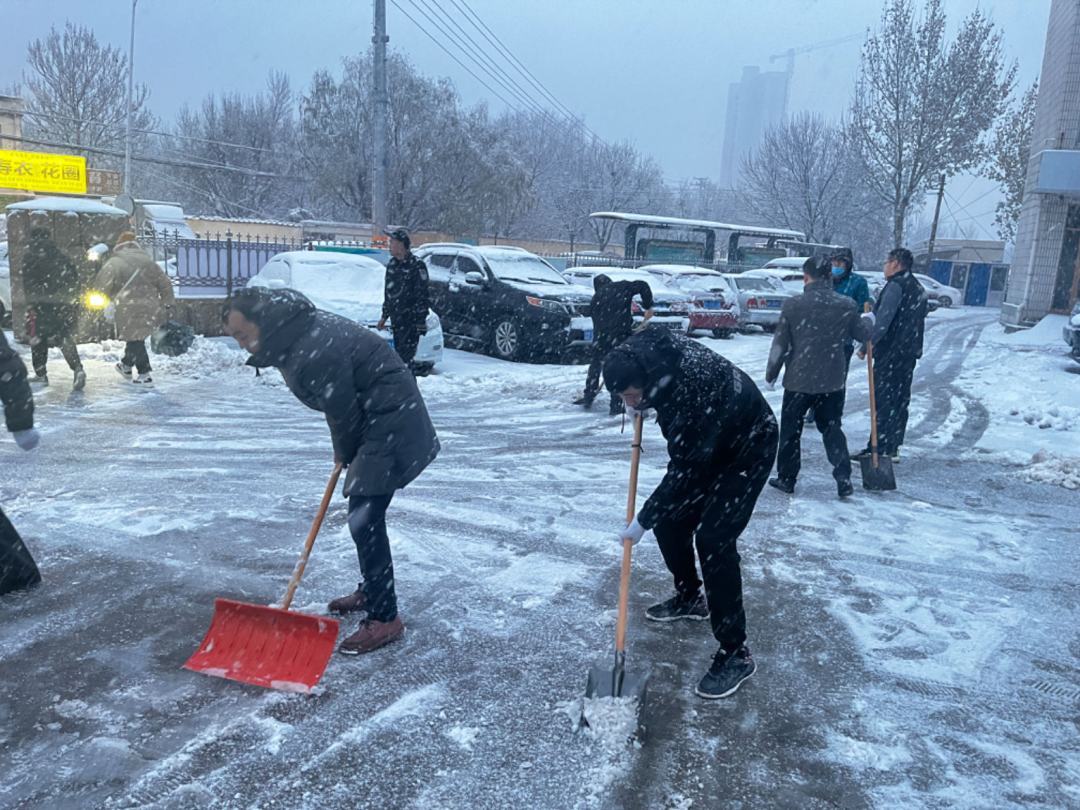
(871, 317)
(634, 532)
(27, 439)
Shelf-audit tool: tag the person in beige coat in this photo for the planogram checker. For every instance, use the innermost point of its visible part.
(142, 295)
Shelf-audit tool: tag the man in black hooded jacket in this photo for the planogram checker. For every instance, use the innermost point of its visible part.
(51, 286)
(378, 424)
(17, 567)
(721, 436)
(611, 311)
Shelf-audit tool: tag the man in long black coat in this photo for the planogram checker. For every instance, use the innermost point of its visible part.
(51, 286)
(612, 316)
(721, 437)
(406, 298)
(811, 340)
(17, 568)
(378, 424)
(898, 346)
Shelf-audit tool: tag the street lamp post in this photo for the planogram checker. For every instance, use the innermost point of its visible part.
(130, 97)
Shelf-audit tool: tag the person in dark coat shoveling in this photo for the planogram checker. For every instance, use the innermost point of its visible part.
(721, 436)
(378, 422)
(17, 567)
(611, 310)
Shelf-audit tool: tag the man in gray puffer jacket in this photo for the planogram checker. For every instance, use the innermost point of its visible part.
(378, 422)
(813, 330)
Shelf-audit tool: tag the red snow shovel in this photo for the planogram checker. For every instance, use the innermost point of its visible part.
(877, 471)
(617, 682)
(270, 646)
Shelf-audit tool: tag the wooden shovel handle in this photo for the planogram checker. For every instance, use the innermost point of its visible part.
(628, 545)
(302, 563)
(873, 405)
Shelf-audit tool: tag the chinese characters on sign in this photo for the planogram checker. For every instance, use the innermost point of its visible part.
(37, 171)
(103, 182)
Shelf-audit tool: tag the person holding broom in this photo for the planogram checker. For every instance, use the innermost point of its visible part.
(379, 427)
(721, 437)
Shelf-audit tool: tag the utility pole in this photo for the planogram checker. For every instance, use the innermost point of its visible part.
(130, 98)
(933, 228)
(382, 114)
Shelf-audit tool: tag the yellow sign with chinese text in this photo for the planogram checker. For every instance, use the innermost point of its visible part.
(38, 171)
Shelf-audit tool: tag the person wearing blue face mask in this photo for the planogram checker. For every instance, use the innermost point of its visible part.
(847, 282)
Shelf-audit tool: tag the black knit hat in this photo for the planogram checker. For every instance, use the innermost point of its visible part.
(622, 371)
(845, 255)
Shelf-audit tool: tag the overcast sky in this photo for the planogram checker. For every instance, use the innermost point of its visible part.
(654, 72)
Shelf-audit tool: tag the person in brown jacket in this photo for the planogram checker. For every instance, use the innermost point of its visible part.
(141, 294)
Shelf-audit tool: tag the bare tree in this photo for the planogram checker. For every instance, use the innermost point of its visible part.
(78, 93)
(617, 178)
(799, 177)
(256, 133)
(1010, 152)
(922, 105)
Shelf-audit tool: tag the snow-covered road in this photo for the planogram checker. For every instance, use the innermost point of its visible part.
(916, 649)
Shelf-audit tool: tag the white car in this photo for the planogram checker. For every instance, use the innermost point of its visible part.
(945, 295)
(671, 306)
(348, 285)
(786, 278)
(761, 299)
(5, 286)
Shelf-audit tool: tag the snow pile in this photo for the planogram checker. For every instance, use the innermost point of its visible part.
(610, 723)
(463, 735)
(1048, 468)
(207, 358)
(1057, 417)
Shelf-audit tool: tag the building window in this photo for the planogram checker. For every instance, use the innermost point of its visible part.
(1068, 276)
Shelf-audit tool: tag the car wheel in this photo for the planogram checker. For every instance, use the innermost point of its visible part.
(768, 327)
(945, 301)
(723, 334)
(506, 340)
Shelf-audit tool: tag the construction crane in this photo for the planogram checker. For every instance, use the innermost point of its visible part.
(791, 53)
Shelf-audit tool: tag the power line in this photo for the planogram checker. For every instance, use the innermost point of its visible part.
(483, 68)
(202, 191)
(147, 131)
(516, 63)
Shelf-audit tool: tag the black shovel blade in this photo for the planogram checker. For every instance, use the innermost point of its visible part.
(879, 478)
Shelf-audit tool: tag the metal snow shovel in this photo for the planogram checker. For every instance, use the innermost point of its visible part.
(616, 681)
(877, 471)
(271, 646)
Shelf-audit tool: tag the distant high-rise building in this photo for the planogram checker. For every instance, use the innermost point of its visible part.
(755, 103)
(1045, 274)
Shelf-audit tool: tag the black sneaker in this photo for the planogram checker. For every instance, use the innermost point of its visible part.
(585, 402)
(782, 484)
(124, 370)
(861, 455)
(144, 379)
(39, 378)
(726, 674)
(678, 607)
(80, 380)
(844, 489)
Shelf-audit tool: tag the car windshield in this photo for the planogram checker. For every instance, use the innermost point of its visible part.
(523, 267)
(754, 284)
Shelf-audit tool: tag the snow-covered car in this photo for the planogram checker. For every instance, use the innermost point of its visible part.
(5, 286)
(945, 295)
(349, 285)
(671, 307)
(787, 278)
(760, 298)
(876, 283)
(1071, 332)
(716, 304)
(506, 301)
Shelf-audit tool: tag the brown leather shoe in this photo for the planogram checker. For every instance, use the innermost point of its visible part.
(371, 636)
(353, 603)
